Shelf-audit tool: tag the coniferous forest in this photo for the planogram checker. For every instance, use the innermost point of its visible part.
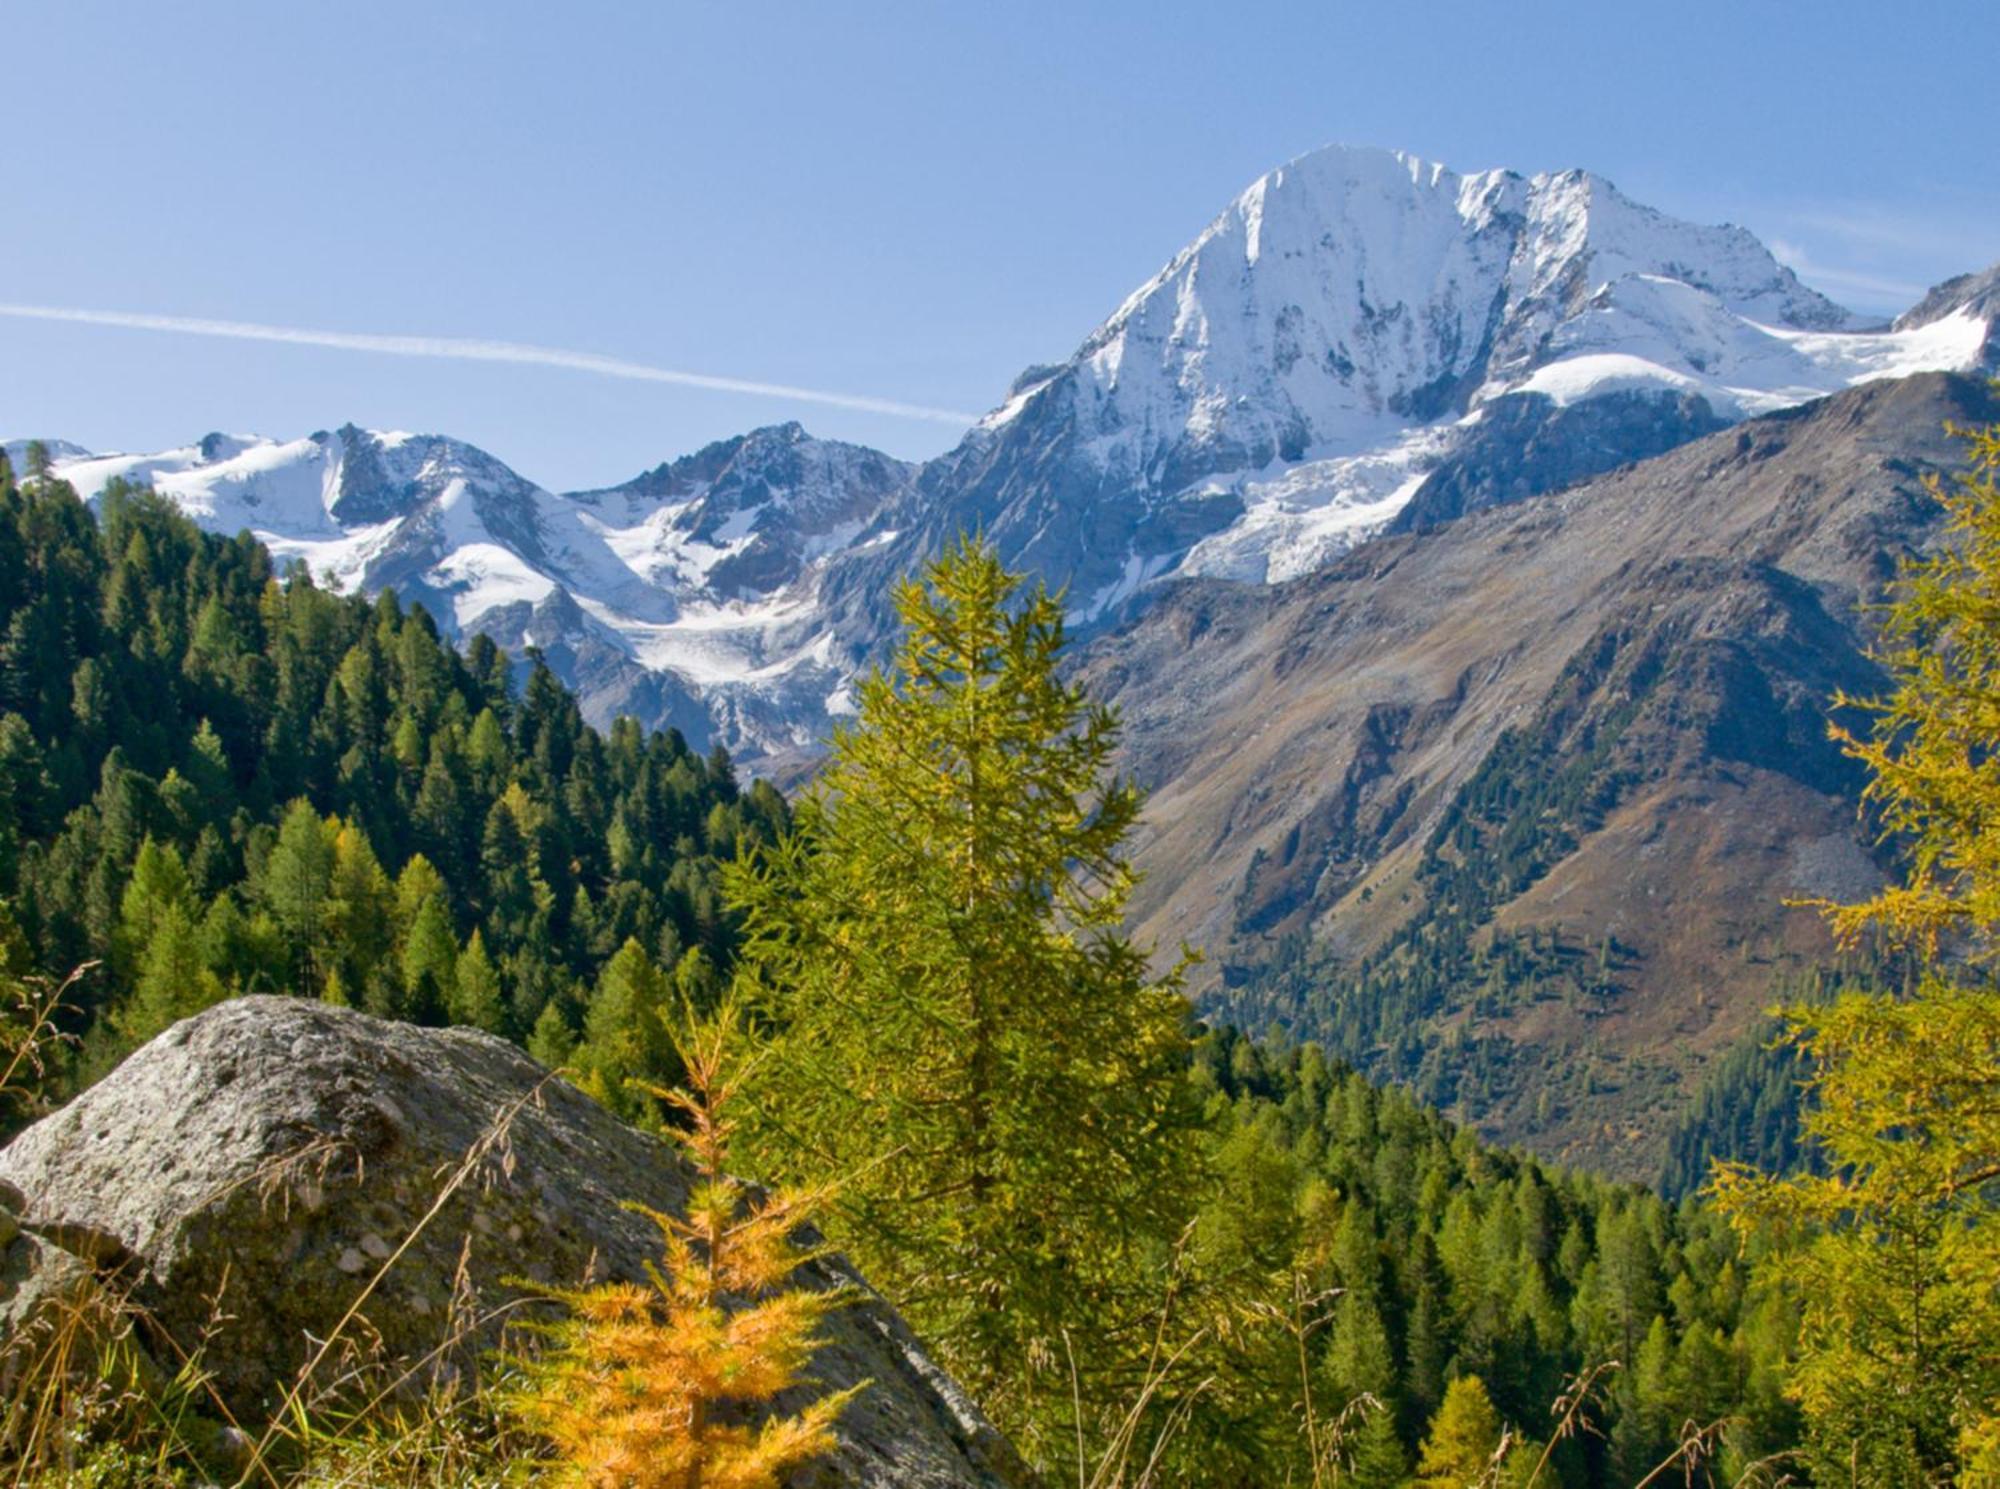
(1032, 746)
(219, 779)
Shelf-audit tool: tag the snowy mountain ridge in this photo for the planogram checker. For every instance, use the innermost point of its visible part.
(1361, 339)
(1299, 368)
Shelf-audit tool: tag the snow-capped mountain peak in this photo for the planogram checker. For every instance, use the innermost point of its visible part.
(1353, 288)
(1361, 338)
(1286, 383)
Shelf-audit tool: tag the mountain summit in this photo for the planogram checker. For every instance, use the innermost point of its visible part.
(1362, 340)
(1286, 383)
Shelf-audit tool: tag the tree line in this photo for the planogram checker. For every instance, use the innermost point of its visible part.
(216, 778)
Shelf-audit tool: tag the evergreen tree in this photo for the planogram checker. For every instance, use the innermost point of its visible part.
(1464, 1440)
(429, 965)
(297, 885)
(157, 889)
(360, 914)
(476, 997)
(174, 979)
(624, 1041)
(552, 1041)
(1358, 1359)
(1377, 1459)
(965, 1038)
(1895, 1250)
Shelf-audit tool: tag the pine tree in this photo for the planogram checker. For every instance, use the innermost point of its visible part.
(1358, 1358)
(429, 965)
(206, 767)
(551, 1041)
(360, 914)
(297, 885)
(1647, 1427)
(158, 887)
(174, 981)
(476, 998)
(967, 1041)
(1376, 1459)
(624, 1040)
(1427, 1344)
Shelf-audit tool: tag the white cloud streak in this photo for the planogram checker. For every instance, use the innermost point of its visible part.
(458, 349)
(1880, 289)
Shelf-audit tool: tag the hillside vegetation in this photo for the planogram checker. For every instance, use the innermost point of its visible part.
(1510, 810)
(221, 780)
(216, 779)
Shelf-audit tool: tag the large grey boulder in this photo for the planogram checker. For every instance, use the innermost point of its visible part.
(248, 1172)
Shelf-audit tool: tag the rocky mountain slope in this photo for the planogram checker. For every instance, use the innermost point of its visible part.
(1507, 808)
(1361, 340)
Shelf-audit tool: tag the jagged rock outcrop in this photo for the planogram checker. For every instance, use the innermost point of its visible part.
(275, 1153)
(1527, 445)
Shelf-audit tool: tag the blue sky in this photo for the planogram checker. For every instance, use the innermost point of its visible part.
(903, 202)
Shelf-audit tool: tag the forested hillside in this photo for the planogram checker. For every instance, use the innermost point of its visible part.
(218, 779)
(1511, 810)
(1449, 1259)
(1207, 1258)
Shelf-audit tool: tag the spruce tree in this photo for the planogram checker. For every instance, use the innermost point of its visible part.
(158, 887)
(174, 980)
(551, 1041)
(967, 1042)
(429, 965)
(297, 886)
(1375, 1457)
(361, 910)
(624, 1040)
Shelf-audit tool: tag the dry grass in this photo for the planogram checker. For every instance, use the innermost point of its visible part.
(96, 1392)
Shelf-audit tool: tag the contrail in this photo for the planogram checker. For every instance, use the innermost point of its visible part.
(468, 350)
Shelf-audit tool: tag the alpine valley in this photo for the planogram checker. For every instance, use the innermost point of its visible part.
(1472, 558)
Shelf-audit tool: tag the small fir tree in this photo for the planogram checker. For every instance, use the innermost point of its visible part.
(476, 995)
(626, 1046)
(1464, 1442)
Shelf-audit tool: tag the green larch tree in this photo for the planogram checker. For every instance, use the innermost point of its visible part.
(967, 1043)
(297, 886)
(1894, 1249)
(624, 1040)
(1464, 1439)
(476, 995)
(429, 966)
